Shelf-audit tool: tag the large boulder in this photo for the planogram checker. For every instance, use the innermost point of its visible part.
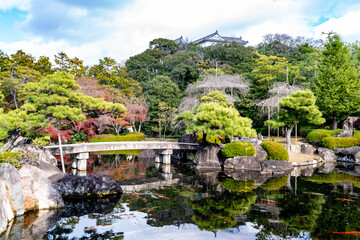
(36, 152)
(275, 167)
(11, 176)
(345, 133)
(242, 163)
(188, 138)
(48, 169)
(348, 154)
(71, 186)
(38, 192)
(207, 157)
(307, 149)
(352, 123)
(6, 212)
(260, 154)
(327, 155)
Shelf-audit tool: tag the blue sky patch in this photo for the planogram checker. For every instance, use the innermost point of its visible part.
(8, 20)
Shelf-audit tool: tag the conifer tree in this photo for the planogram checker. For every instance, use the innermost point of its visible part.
(295, 108)
(53, 99)
(337, 86)
(216, 116)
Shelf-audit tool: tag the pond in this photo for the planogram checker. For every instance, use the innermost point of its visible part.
(185, 204)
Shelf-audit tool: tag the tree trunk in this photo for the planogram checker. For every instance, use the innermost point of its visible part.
(204, 137)
(139, 130)
(15, 100)
(334, 124)
(61, 152)
(288, 134)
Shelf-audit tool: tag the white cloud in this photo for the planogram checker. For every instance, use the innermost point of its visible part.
(347, 26)
(19, 4)
(122, 32)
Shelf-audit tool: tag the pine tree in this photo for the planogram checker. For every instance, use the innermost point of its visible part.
(295, 108)
(54, 99)
(216, 116)
(337, 86)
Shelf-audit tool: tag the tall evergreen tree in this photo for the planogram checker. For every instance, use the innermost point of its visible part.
(337, 86)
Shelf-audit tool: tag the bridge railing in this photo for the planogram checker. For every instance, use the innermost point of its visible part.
(113, 146)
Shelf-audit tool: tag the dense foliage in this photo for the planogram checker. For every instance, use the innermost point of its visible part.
(275, 151)
(153, 83)
(238, 149)
(338, 85)
(11, 158)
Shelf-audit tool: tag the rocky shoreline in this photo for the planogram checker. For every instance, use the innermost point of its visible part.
(43, 186)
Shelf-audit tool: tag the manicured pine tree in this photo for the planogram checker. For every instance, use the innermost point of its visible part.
(216, 116)
(53, 99)
(295, 108)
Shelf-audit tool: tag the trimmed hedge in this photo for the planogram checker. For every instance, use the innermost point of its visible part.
(135, 136)
(341, 142)
(319, 134)
(275, 151)
(235, 149)
(305, 130)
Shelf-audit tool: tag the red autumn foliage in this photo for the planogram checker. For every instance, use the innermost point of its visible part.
(136, 113)
(53, 131)
(86, 127)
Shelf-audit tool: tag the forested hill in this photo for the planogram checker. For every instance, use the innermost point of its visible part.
(166, 75)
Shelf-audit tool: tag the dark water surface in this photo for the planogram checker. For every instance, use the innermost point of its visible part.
(177, 202)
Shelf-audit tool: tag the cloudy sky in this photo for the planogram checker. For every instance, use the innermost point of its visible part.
(93, 29)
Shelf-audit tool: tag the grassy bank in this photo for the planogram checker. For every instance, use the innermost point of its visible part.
(135, 136)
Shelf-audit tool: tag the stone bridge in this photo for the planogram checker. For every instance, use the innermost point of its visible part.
(82, 150)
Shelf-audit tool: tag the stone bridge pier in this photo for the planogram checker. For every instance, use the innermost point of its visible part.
(163, 156)
(80, 161)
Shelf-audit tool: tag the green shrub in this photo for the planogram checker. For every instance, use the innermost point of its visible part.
(274, 183)
(341, 142)
(319, 134)
(238, 149)
(12, 158)
(305, 130)
(78, 137)
(41, 141)
(135, 136)
(238, 186)
(275, 151)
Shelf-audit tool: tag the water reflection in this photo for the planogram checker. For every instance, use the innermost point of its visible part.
(303, 204)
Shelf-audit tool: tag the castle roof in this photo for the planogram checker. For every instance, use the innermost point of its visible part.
(216, 38)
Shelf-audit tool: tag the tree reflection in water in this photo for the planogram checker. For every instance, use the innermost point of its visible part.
(323, 207)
